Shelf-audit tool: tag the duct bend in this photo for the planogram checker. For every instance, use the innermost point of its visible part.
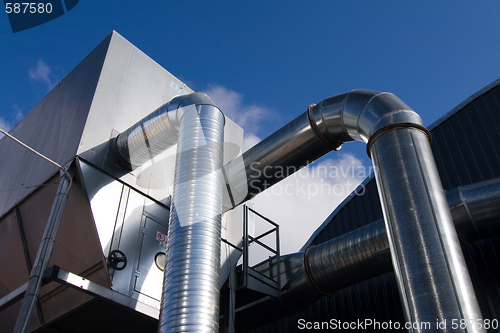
(156, 132)
(431, 272)
(361, 115)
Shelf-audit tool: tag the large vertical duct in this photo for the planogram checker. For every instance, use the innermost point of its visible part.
(430, 269)
(190, 298)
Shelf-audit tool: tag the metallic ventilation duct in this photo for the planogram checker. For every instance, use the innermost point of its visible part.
(431, 272)
(356, 115)
(190, 298)
(357, 255)
(156, 132)
(364, 253)
(475, 209)
(432, 276)
(338, 263)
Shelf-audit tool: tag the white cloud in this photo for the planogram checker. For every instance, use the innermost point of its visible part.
(249, 117)
(18, 112)
(4, 125)
(15, 116)
(42, 73)
(301, 202)
(250, 140)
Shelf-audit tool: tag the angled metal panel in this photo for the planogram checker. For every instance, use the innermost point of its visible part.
(53, 127)
(131, 86)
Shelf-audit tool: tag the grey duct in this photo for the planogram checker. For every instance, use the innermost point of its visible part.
(190, 298)
(430, 269)
(431, 272)
(475, 209)
(341, 262)
(364, 253)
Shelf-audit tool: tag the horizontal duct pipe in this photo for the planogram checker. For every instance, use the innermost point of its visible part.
(475, 209)
(364, 253)
(431, 273)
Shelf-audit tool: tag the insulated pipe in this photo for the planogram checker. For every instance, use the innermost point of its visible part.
(430, 270)
(432, 277)
(338, 263)
(290, 148)
(156, 132)
(355, 256)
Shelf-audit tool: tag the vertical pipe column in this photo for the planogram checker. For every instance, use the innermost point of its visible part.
(430, 269)
(190, 298)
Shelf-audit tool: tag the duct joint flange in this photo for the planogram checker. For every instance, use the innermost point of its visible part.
(331, 144)
(310, 274)
(392, 127)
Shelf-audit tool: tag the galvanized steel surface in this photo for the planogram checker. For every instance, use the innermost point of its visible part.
(356, 115)
(147, 138)
(359, 114)
(190, 300)
(427, 259)
(475, 210)
(292, 147)
(350, 258)
(465, 152)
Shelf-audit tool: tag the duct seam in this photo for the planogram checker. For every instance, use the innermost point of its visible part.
(392, 127)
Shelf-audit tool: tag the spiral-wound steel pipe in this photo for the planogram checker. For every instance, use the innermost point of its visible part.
(190, 300)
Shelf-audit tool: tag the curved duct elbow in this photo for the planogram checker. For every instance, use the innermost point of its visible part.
(360, 114)
(156, 132)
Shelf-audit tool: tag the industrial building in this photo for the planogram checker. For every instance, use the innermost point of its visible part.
(154, 229)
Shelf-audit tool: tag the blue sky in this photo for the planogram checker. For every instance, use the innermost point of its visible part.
(267, 60)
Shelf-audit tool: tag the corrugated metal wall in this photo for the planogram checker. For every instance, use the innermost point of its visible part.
(466, 146)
